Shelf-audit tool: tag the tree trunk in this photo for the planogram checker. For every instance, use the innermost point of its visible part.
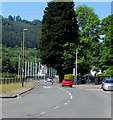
(61, 77)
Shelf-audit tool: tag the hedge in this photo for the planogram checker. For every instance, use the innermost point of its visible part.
(102, 76)
(69, 76)
(9, 75)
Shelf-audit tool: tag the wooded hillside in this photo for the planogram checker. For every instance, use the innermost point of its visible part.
(12, 30)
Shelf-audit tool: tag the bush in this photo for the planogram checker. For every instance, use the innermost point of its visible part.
(108, 73)
(102, 76)
(9, 75)
(69, 76)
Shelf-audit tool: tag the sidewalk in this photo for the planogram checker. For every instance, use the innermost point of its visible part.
(88, 86)
(17, 92)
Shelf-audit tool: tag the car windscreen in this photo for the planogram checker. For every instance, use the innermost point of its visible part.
(108, 81)
(67, 80)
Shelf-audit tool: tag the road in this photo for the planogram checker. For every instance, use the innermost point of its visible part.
(54, 101)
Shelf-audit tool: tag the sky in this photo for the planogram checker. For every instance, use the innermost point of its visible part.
(34, 10)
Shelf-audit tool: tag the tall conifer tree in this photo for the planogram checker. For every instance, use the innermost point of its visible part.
(59, 37)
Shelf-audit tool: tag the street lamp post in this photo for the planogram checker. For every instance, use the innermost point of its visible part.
(22, 58)
(76, 66)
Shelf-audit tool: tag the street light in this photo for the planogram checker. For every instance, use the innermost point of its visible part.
(22, 58)
(76, 67)
(24, 40)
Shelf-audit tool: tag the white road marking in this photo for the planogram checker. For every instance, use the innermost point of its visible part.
(71, 96)
(42, 113)
(65, 103)
(56, 106)
(47, 87)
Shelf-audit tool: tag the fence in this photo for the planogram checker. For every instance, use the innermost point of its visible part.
(9, 80)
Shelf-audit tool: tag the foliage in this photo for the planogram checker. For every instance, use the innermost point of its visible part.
(8, 75)
(69, 76)
(12, 32)
(109, 71)
(89, 46)
(10, 58)
(107, 46)
(59, 37)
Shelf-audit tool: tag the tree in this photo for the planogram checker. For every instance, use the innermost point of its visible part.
(18, 18)
(89, 44)
(59, 37)
(107, 47)
(12, 32)
(10, 58)
(11, 18)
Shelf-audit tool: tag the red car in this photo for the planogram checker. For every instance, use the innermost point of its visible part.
(67, 82)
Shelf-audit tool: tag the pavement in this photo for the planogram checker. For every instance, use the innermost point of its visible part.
(31, 85)
(89, 86)
(16, 93)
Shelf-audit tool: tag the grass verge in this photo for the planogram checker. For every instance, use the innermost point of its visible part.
(9, 87)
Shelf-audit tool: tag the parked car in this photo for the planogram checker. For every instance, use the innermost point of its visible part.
(50, 79)
(107, 78)
(107, 84)
(67, 82)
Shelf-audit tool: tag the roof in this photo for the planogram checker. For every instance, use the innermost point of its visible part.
(88, 75)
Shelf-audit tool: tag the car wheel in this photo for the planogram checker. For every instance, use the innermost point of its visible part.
(71, 86)
(103, 89)
(62, 86)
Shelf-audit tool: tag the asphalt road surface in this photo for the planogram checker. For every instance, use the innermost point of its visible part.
(54, 101)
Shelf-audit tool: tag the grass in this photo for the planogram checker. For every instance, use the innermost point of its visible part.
(9, 87)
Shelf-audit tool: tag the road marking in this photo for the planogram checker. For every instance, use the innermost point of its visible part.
(65, 103)
(71, 96)
(42, 113)
(47, 87)
(56, 107)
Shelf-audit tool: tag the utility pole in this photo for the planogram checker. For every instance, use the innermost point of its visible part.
(22, 59)
(31, 69)
(25, 69)
(76, 65)
(19, 67)
(35, 68)
(28, 69)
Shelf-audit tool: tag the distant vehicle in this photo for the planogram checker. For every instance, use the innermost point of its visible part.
(107, 83)
(67, 82)
(50, 79)
(107, 78)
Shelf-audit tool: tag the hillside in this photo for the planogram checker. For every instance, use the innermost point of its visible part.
(12, 31)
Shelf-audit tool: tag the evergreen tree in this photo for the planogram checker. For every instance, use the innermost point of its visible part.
(59, 37)
(18, 18)
(11, 18)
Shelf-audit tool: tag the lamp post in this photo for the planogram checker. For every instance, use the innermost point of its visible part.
(22, 58)
(76, 66)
